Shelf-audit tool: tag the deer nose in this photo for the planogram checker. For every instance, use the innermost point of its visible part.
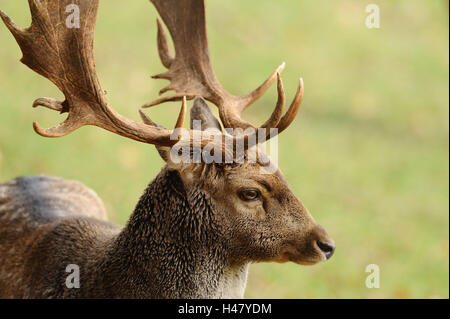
(326, 248)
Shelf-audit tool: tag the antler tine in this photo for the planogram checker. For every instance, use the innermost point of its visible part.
(51, 103)
(180, 120)
(16, 30)
(172, 98)
(163, 46)
(147, 120)
(290, 115)
(278, 111)
(251, 97)
(182, 114)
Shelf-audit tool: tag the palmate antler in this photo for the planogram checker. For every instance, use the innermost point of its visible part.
(190, 71)
(65, 55)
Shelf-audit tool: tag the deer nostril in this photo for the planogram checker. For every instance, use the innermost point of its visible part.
(326, 248)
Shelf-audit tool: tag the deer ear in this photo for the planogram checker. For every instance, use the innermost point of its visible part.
(202, 117)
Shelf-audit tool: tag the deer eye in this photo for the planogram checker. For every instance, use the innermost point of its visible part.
(249, 194)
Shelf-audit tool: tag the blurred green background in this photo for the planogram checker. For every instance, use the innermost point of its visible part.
(368, 153)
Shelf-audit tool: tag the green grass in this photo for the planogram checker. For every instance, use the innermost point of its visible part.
(368, 153)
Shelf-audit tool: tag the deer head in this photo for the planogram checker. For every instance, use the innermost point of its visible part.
(264, 220)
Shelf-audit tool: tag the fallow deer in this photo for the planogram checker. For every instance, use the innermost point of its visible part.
(197, 227)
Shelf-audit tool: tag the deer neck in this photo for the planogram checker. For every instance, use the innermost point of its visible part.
(173, 248)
